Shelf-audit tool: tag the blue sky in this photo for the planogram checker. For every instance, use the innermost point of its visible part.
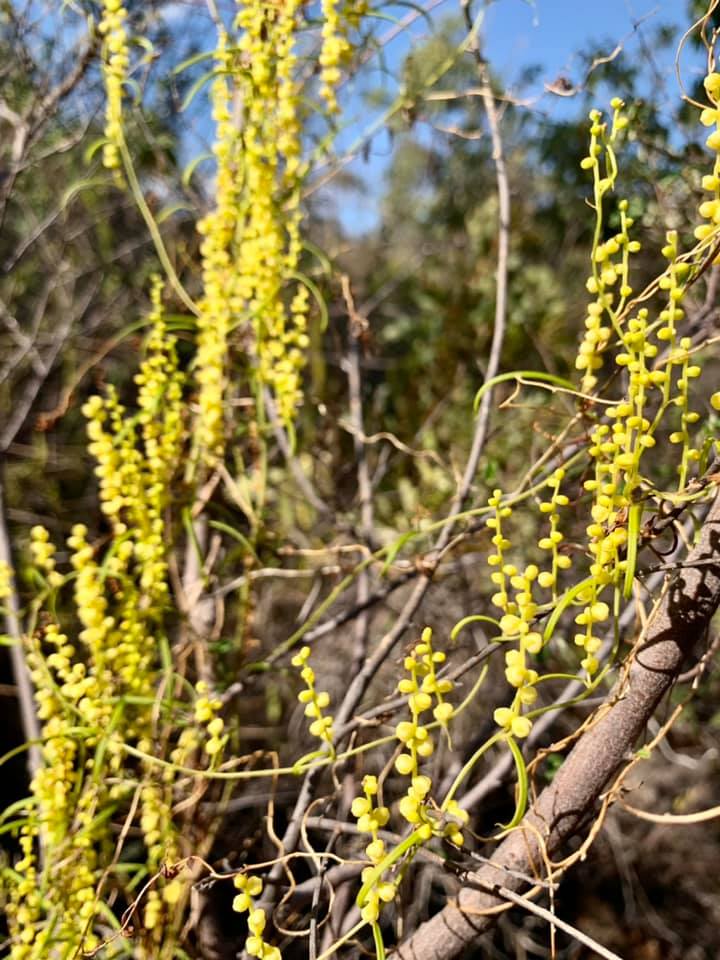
(550, 31)
(515, 35)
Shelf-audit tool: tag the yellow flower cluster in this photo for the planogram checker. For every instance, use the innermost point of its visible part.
(315, 702)
(617, 447)
(421, 686)
(63, 818)
(161, 846)
(334, 51)
(95, 699)
(710, 117)
(250, 244)
(6, 579)
(269, 247)
(620, 439)
(115, 65)
(548, 579)
(251, 240)
(206, 714)
(160, 413)
(136, 459)
(628, 430)
(520, 610)
(371, 819)
(218, 231)
(517, 623)
(688, 371)
(250, 888)
(91, 603)
(595, 611)
(610, 280)
(428, 820)
(42, 551)
(501, 543)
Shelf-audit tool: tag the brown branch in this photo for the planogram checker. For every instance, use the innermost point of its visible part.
(21, 673)
(357, 330)
(691, 599)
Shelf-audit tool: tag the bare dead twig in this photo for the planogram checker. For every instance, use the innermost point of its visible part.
(358, 327)
(554, 921)
(23, 683)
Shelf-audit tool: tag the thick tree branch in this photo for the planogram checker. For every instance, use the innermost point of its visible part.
(691, 599)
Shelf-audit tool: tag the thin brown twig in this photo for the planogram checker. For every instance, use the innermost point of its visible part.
(554, 921)
(21, 674)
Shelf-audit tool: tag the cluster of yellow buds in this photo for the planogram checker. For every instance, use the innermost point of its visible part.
(6, 580)
(115, 66)
(188, 742)
(62, 820)
(118, 632)
(161, 846)
(610, 277)
(617, 447)
(217, 231)
(430, 820)
(520, 610)
(315, 701)
(620, 440)
(421, 687)
(42, 550)
(548, 579)
(371, 819)
(56, 780)
(499, 576)
(136, 458)
(673, 282)
(517, 623)
(710, 117)
(155, 821)
(244, 902)
(335, 48)
(24, 907)
(616, 453)
(251, 242)
(270, 245)
(681, 357)
(206, 713)
(160, 388)
(90, 599)
(608, 530)
(114, 470)
(596, 611)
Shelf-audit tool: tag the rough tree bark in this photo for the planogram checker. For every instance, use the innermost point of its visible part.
(691, 599)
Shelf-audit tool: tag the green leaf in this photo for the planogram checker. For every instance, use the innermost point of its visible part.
(394, 549)
(192, 167)
(522, 785)
(197, 87)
